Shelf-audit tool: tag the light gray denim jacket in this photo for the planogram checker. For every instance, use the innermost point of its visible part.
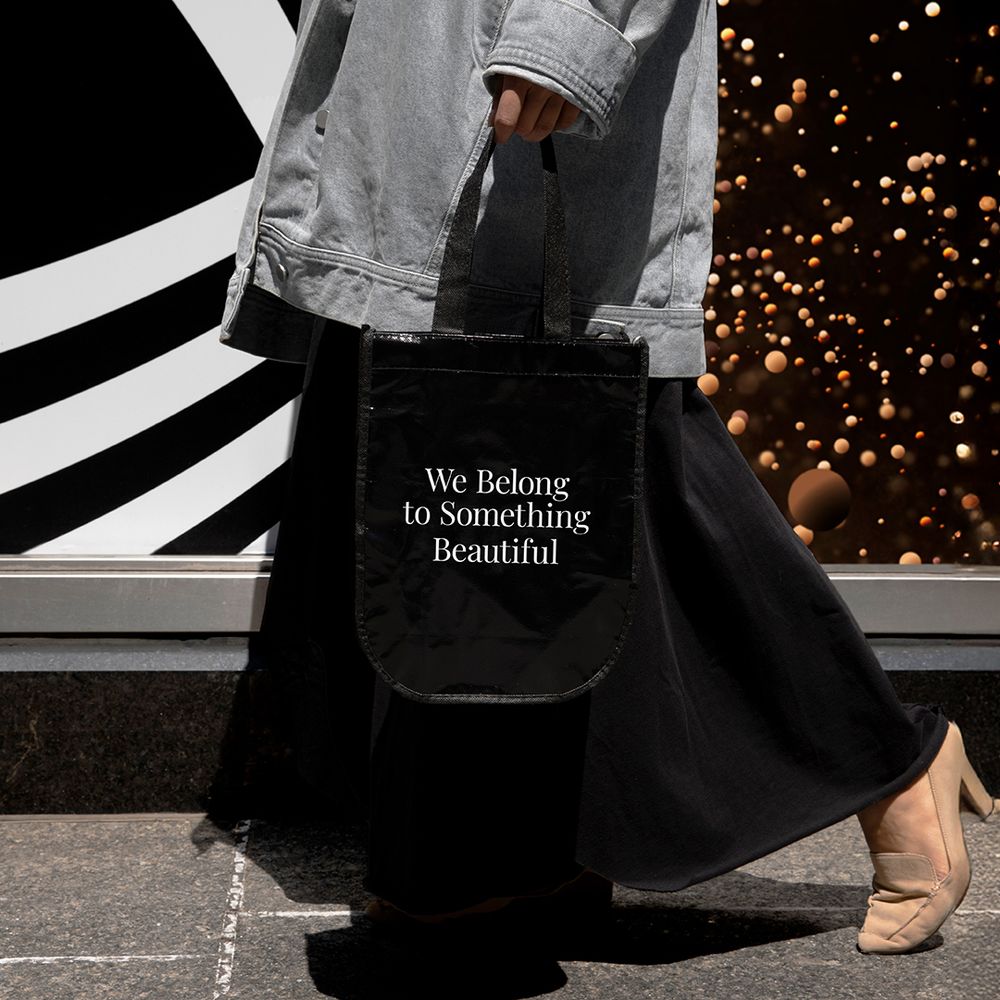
(382, 116)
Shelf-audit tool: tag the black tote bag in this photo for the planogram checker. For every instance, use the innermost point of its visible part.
(498, 483)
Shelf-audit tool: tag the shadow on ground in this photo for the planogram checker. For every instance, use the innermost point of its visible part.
(515, 952)
(518, 955)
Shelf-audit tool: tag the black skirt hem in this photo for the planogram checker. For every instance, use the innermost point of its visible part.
(789, 836)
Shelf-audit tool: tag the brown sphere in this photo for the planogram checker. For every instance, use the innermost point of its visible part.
(819, 499)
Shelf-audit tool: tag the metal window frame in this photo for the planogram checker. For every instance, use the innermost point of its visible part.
(224, 595)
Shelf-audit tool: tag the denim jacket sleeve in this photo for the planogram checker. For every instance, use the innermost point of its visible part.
(585, 50)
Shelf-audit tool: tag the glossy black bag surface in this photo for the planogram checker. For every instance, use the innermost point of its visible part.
(497, 493)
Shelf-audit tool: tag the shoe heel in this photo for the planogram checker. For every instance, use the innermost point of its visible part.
(974, 794)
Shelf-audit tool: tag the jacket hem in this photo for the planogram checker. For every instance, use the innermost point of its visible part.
(353, 290)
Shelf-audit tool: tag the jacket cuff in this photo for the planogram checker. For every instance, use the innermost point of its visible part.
(570, 49)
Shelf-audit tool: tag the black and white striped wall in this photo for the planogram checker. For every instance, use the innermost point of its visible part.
(143, 462)
(126, 428)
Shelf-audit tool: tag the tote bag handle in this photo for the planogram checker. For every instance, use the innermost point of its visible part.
(451, 305)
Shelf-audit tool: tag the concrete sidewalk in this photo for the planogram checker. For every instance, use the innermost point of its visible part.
(175, 907)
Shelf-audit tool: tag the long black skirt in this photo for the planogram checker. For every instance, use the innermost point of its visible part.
(746, 711)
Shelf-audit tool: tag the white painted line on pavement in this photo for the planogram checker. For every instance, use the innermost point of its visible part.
(50, 959)
(234, 901)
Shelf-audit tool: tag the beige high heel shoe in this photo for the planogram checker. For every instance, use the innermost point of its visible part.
(910, 901)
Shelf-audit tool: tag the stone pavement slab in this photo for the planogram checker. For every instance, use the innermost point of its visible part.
(110, 907)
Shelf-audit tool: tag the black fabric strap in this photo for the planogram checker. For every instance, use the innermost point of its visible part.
(451, 305)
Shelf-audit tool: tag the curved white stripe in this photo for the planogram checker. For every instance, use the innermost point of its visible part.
(54, 297)
(97, 418)
(252, 44)
(263, 544)
(166, 511)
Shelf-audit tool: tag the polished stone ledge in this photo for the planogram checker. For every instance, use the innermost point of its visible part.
(225, 595)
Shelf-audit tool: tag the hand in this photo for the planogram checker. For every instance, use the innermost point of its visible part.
(530, 110)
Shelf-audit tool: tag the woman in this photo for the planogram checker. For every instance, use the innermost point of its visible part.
(746, 709)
